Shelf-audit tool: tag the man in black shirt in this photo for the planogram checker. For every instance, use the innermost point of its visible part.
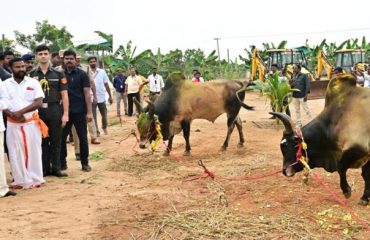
(301, 82)
(4, 74)
(55, 87)
(79, 108)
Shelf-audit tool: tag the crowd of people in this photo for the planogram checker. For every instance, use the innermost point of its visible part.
(41, 105)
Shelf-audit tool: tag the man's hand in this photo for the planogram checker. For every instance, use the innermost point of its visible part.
(88, 117)
(95, 100)
(17, 115)
(65, 119)
(110, 100)
(305, 99)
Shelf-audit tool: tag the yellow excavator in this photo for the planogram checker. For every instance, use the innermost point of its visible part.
(350, 60)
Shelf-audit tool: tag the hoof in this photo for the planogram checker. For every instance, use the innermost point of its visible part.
(347, 194)
(166, 153)
(363, 202)
(223, 149)
(240, 145)
(186, 153)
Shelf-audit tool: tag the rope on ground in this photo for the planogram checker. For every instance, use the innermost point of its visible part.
(341, 202)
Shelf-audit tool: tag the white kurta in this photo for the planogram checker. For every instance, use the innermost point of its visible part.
(4, 103)
(24, 139)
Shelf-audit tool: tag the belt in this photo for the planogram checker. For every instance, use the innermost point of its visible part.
(50, 104)
(35, 117)
(155, 92)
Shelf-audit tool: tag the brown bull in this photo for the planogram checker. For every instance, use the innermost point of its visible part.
(183, 101)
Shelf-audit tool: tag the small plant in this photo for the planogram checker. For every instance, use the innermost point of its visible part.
(277, 89)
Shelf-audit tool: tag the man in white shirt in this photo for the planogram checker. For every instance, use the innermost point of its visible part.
(25, 128)
(4, 103)
(134, 84)
(367, 77)
(101, 84)
(156, 85)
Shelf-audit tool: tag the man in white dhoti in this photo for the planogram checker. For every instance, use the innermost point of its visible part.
(24, 128)
(4, 103)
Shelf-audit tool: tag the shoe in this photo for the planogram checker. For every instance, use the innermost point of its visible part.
(78, 157)
(86, 168)
(10, 194)
(105, 131)
(45, 174)
(59, 174)
(95, 141)
(64, 168)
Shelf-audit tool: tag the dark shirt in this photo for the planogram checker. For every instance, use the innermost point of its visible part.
(52, 83)
(77, 81)
(4, 74)
(302, 83)
(119, 83)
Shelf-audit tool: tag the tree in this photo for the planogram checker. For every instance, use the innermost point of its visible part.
(7, 44)
(46, 33)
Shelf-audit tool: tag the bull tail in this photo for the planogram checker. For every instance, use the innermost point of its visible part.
(243, 89)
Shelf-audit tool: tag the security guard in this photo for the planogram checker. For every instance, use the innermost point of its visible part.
(55, 86)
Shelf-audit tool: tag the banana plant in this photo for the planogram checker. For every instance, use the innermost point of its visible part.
(275, 90)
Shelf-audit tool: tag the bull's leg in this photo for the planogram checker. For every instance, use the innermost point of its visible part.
(185, 125)
(239, 126)
(169, 146)
(348, 159)
(366, 176)
(230, 129)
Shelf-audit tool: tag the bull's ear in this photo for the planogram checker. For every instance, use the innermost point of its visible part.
(285, 119)
(138, 105)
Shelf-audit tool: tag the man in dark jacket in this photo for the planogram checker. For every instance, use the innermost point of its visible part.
(301, 82)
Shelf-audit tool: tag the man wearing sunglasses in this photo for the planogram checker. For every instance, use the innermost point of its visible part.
(156, 85)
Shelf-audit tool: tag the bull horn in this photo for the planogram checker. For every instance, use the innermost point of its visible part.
(151, 108)
(138, 105)
(286, 121)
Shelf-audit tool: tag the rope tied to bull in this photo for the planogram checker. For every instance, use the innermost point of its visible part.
(303, 159)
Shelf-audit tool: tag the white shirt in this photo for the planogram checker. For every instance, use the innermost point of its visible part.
(133, 84)
(155, 83)
(366, 80)
(23, 94)
(4, 103)
(100, 78)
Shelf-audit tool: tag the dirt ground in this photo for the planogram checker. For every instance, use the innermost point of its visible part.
(133, 194)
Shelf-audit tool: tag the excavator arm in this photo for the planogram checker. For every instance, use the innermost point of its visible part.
(322, 62)
(257, 63)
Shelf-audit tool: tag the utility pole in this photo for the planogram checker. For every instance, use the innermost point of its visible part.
(218, 49)
(228, 56)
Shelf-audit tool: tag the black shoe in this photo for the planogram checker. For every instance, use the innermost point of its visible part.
(78, 157)
(59, 174)
(10, 194)
(45, 174)
(86, 168)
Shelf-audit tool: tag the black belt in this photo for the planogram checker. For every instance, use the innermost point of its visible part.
(49, 104)
(155, 92)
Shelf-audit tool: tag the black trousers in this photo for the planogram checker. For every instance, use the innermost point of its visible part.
(51, 145)
(79, 121)
(130, 101)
